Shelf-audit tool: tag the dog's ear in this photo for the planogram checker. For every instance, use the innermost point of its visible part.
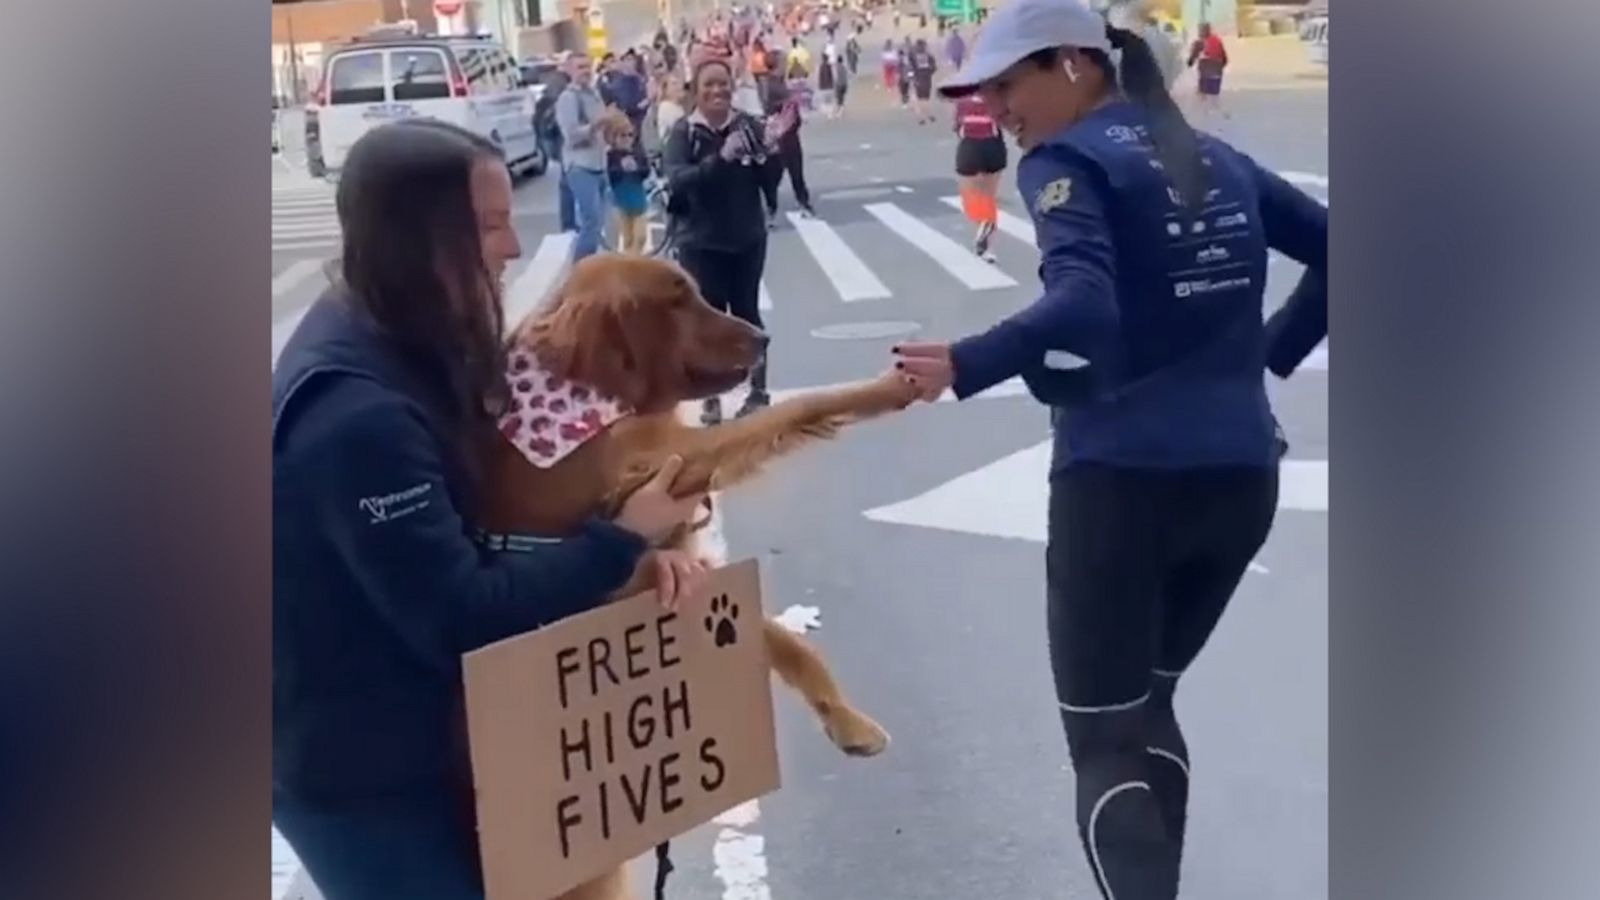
(592, 335)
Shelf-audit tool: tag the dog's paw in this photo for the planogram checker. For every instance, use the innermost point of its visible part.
(720, 622)
(855, 733)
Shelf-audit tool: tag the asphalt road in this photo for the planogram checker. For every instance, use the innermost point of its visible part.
(919, 542)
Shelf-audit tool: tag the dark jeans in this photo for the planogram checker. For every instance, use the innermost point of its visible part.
(790, 158)
(731, 282)
(568, 213)
(1140, 566)
(414, 849)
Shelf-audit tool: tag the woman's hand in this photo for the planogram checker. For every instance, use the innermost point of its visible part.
(735, 147)
(651, 511)
(678, 574)
(929, 367)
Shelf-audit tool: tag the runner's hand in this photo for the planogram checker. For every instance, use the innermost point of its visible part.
(928, 365)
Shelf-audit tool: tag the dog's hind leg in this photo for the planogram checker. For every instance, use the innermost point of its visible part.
(802, 668)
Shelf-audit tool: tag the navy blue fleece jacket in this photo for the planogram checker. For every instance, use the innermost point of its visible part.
(378, 585)
(1148, 340)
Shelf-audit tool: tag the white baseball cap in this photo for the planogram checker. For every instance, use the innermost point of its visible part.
(1020, 27)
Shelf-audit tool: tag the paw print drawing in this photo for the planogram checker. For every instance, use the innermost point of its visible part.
(719, 623)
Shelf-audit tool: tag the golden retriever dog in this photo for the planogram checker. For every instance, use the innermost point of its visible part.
(596, 379)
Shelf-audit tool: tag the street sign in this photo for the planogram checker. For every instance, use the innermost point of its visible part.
(960, 10)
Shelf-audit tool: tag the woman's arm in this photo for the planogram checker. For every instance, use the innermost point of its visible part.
(1295, 225)
(374, 474)
(567, 109)
(1076, 317)
(684, 175)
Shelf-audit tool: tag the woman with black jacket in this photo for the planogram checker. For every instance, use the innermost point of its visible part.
(715, 163)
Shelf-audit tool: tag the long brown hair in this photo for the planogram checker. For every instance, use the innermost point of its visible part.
(414, 265)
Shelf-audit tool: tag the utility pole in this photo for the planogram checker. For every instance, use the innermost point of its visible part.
(294, 60)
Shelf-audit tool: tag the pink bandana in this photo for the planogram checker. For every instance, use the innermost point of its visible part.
(549, 417)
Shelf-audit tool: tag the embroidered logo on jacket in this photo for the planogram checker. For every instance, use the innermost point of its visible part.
(388, 507)
(1053, 195)
(549, 417)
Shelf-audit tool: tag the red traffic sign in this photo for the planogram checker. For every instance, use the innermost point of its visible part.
(447, 7)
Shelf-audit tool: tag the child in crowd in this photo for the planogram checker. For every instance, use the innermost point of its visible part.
(626, 170)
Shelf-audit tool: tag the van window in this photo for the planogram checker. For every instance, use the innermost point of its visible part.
(418, 75)
(355, 78)
(475, 66)
(488, 70)
(510, 77)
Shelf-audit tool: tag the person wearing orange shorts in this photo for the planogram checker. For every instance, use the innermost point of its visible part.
(980, 159)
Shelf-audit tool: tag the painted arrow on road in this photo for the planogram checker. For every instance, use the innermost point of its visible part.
(1005, 498)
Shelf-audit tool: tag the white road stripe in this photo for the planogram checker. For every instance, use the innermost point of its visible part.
(739, 853)
(304, 245)
(321, 210)
(1009, 223)
(307, 229)
(765, 302)
(326, 204)
(295, 273)
(850, 276)
(959, 261)
(542, 273)
(1306, 178)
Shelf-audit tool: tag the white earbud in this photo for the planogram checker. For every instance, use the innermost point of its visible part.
(1072, 73)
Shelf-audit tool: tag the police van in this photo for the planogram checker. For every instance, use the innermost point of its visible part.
(383, 77)
(1314, 32)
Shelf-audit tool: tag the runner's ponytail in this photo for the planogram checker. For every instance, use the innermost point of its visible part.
(1176, 145)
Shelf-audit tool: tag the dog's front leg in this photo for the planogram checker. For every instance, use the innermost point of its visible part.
(719, 456)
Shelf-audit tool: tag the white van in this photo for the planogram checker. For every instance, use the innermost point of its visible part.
(468, 81)
(1315, 35)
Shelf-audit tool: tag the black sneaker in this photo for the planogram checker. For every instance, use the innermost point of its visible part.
(980, 244)
(711, 411)
(756, 400)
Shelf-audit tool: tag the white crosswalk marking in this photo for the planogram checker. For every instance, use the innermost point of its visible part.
(849, 275)
(549, 263)
(1009, 223)
(298, 271)
(304, 218)
(959, 261)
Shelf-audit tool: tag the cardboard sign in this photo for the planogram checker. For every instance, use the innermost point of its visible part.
(597, 738)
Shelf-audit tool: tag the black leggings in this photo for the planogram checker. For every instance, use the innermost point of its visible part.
(1140, 566)
(791, 158)
(731, 282)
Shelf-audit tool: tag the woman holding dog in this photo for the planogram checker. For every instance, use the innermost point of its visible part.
(715, 164)
(380, 401)
(1149, 347)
